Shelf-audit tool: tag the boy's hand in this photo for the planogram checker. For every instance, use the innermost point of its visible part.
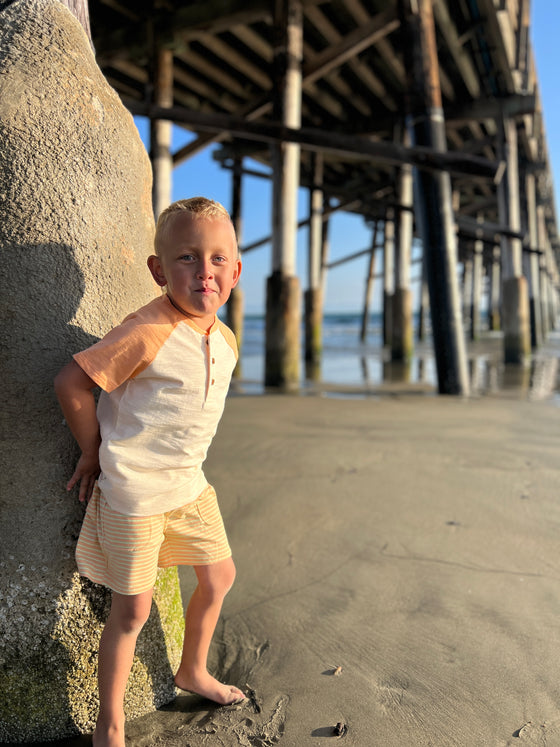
(74, 391)
(86, 473)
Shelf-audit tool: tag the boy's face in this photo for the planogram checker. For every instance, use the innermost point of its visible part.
(198, 263)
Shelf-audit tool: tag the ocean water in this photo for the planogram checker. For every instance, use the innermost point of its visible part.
(350, 367)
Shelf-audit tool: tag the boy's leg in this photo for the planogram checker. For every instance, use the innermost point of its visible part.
(203, 611)
(116, 652)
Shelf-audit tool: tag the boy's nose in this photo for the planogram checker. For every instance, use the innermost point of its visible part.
(205, 270)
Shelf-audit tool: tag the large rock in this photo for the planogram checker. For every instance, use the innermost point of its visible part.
(76, 227)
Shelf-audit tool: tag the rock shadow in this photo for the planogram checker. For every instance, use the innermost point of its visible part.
(41, 290)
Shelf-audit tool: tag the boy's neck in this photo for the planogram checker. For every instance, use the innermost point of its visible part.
(194, 320)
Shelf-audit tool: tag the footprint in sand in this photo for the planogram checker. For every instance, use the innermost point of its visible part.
(537, 733)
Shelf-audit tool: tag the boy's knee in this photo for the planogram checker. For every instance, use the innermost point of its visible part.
(229, 576)
(224, 578)
(131, 613)
(217, 580)
(133, 622)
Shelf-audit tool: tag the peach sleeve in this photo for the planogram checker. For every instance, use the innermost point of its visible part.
(229, 337)
(124, 352)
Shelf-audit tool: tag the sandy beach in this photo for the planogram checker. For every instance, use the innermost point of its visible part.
(398, 575)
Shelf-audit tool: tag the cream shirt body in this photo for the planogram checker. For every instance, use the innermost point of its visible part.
(164, 385)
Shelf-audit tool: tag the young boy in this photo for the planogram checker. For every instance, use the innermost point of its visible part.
(164, 374)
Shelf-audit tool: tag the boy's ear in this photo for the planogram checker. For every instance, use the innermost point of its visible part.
(154, 265)
(236, 273)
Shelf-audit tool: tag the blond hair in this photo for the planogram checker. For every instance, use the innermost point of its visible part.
(201, 207)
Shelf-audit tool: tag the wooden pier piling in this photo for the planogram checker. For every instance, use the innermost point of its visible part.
(314, 292)
(235, 304)
(369, 285)
(543, 270)
(161, 131)
(494, 291)
(402, 338)
(434, 207)
(467, 282)
(424, 307)
(532, 261)
(388, 275)
(515, 296)
(478, 271)
(283, 289)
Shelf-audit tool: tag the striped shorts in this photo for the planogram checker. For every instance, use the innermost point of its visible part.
(124, 552)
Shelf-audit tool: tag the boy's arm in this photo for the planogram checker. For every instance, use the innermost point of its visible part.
(73, 388)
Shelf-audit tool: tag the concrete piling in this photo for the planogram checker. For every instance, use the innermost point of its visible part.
(77, 227)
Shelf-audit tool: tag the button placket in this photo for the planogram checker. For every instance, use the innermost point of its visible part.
(212, 363)
(208, 366)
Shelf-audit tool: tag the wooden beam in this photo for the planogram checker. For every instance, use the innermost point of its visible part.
(352, 257)
(214, 72)
(486, 229)
(234, 58)
(479, 205)
(250, 172)
(253, 41)
(363, 71)
(494, 37)
(333, 57)
(122, 9)
(202, 89)
(252, 111)
(351, 45)
(456, 49)
(383, 46)
(347, 146)
(514, 105)
(327, 212)
(179, 26)
(319, 98)
(182, 24)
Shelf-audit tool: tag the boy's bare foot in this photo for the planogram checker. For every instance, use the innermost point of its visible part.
(209, 687)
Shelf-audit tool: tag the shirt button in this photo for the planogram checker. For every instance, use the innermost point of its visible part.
(213, 360)
(212, 382)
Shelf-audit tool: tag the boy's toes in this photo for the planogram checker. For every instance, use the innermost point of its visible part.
(236, 696)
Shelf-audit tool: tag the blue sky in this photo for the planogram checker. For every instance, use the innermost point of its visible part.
(545, 32)
(201, 175)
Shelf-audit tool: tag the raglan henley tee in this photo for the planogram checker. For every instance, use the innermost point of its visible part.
(164, 382)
